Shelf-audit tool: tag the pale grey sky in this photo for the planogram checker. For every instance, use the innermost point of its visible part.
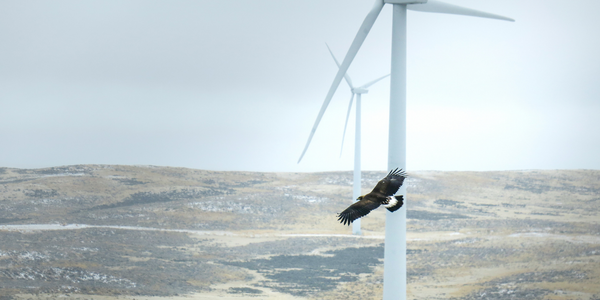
(237, 85)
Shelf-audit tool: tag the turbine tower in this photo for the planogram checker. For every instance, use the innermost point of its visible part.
(358, 91)
(394, 276)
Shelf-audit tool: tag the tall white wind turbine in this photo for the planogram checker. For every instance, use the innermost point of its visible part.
(358, 91)
(394, 274)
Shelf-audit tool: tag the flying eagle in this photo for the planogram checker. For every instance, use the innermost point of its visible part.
(382, 194)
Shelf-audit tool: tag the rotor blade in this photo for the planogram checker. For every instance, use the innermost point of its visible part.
(346, 76)
(346, 124)
(368, 84)
(363, 31)
(435, 6)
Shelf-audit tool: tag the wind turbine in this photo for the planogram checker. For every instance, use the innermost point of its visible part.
(394, 274)
(358, 91)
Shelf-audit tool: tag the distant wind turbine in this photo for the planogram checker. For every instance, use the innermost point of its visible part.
(358, 91)
(394, 274)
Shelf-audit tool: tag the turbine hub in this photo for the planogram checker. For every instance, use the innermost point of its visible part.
(360, 91)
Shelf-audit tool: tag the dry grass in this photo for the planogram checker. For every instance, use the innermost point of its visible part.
(503, 235)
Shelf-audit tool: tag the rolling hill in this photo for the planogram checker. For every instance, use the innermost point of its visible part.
(112, 231)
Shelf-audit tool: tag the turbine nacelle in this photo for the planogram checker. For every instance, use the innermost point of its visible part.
(359, 91)
(355, 91)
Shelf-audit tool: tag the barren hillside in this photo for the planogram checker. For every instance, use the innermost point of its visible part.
(103, 231)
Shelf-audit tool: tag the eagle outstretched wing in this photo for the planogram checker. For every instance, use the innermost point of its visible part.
(381, 195)
(389, 185)
(357, 210)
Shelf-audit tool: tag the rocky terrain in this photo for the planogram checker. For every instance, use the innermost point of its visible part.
(144, 232)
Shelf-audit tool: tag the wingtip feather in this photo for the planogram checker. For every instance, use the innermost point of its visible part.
(397, 172)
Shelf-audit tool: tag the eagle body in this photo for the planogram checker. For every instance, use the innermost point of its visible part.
(381, 195)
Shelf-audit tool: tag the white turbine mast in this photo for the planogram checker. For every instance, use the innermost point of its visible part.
(394, 277)
(358, 91)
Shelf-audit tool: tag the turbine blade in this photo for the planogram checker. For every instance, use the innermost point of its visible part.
(368, 84)
(346, 76)
(346, 124)
(435, 6)
(363, 31)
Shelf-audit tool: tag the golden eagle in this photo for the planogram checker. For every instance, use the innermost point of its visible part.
(382, 194)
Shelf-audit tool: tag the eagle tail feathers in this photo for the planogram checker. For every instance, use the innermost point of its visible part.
(395, 206)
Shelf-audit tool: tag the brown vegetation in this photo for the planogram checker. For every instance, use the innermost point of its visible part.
(181, 233)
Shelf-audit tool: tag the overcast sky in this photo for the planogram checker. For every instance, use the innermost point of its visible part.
(237, 85)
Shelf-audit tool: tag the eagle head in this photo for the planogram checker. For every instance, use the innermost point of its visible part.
(360, 198)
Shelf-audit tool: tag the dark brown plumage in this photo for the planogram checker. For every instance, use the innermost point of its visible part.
(382, 194)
